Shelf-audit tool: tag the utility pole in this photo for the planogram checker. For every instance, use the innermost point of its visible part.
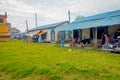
(27, 26)
(69, 16)
(6, 14)
(36, 19)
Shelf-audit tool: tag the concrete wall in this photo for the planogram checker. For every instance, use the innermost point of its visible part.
(86, 32)
(48, 34)
(113, 29)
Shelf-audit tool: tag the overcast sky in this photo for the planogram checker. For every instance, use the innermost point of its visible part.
(51, 11)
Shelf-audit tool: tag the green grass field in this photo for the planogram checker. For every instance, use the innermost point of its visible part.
(35, 61)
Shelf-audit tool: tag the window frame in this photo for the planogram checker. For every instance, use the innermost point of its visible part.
(1, 20)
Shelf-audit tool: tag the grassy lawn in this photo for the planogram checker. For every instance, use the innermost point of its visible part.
(35, 61)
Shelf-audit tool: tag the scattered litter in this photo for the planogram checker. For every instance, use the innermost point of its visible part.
(69, 50)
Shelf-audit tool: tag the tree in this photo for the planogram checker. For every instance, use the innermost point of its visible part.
(78, 17)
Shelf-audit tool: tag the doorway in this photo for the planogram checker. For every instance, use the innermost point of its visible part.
(52, 36)
(77, 33)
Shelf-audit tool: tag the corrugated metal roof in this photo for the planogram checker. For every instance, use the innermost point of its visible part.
(108, 22)
(100, 16)
(100, 20)
(48, 26)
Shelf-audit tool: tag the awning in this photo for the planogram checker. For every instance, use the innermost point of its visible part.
(33, 33)
(43, 32)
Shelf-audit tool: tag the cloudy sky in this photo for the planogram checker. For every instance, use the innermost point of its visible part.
(51, 11)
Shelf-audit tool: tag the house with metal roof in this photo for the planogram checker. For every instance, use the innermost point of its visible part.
(94, 26)
(5, 29)
(48, 33)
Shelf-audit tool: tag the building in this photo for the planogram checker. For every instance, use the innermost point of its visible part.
(94, 26)
(48, 33)
(5, 29)
(15, 32)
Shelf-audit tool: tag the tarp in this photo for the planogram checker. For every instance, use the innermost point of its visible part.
(33, 33)
(43, 32)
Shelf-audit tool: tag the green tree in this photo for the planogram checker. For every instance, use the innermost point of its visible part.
(78, 17)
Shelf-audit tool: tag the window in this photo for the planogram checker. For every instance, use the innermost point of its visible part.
(62, 35)
(1, 20)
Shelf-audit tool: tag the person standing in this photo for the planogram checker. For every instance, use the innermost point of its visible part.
(116, 36)
(106, 39)
(62, 43)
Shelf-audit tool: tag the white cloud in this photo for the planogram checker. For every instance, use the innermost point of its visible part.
(50, 11)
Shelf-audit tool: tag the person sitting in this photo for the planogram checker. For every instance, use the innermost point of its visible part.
(107, 42)
(86, 41)
(72, 41)
(78, 41)
(116, 45)
(116, 34)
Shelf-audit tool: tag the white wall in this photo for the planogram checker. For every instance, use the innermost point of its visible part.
(48, 36)
(57, 30)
